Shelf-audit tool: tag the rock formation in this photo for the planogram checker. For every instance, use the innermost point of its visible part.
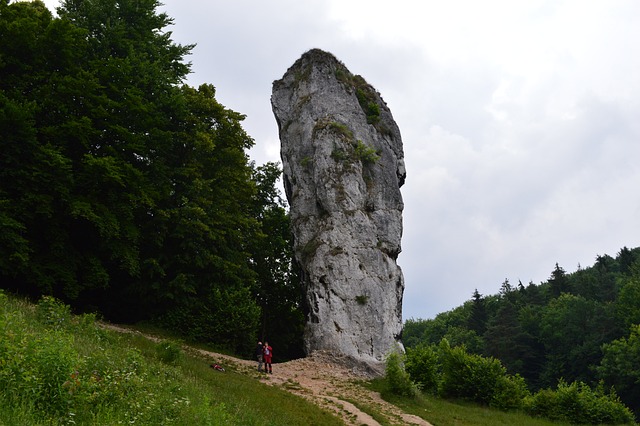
(343, 167)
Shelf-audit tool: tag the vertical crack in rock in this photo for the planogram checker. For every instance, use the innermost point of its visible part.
(343, 168)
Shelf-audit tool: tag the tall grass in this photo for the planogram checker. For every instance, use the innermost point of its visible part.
(60, 369)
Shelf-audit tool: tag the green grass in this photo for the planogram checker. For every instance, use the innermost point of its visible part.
(440, 412)
(59, 369)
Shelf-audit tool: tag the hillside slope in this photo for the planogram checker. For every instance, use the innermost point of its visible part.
(321, 379)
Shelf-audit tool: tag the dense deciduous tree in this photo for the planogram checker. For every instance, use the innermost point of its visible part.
(628, 301)
(277, 290)
(124, 190)
(620, 367)
(572, 330)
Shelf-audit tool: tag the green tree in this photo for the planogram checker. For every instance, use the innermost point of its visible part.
(122, 190)
(277, 290)
(558, 282)
(423, 365)
(607, 269)
(572, 330)
(619, 367)
(626, 258)
(507, 340)
(478, 317)
(199, 236)
(413, 332)
(529, 318)
(628, 303)
(36, 175)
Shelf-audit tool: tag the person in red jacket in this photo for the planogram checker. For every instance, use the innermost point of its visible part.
(267, 353)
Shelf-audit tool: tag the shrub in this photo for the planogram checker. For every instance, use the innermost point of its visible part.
(423, 366)
(579, 404)
(468, 376)
(362, 299)
(365, 153)
(510, 393)
(397, 380)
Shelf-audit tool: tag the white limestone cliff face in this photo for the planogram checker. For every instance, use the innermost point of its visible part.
(343, 167)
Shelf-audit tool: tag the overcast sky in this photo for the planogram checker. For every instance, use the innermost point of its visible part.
(520, 121)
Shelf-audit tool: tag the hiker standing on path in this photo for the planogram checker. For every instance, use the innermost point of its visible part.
(258, 355)
(267, 353)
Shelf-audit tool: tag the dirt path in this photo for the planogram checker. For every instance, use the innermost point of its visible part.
(321, 381)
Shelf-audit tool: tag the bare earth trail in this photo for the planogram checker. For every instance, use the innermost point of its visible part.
(319, 379)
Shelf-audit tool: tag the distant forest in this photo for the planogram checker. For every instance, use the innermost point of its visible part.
(582, 326)
(125, 191)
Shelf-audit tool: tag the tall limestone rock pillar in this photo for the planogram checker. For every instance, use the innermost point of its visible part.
(343, 167)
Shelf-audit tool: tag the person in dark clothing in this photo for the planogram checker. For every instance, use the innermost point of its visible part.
(258, 355)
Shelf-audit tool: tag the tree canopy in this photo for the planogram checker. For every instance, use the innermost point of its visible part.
(124, 190)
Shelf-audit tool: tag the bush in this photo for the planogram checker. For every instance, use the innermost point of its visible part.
(468, 376)
(579, 404)
(510, 393)
(397, 380)
(423, 366)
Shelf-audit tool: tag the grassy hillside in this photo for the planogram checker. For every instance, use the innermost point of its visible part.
(56, 368)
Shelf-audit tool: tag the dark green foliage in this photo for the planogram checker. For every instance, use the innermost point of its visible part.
(627, 305)
(362, 300)
(124, 191)
(572, 330)
(558, 282)
(506, 340)
(413, 331)
(478, 317)
(226, 317)
(619, 367)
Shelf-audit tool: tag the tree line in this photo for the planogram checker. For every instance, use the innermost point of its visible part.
(579, 327)
(125, 191)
